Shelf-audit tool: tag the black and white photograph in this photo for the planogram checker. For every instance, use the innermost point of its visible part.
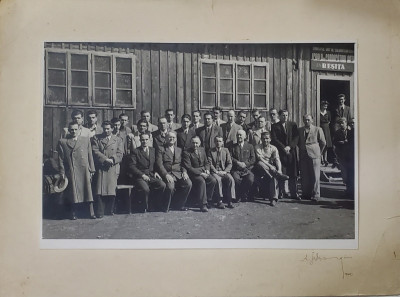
(253, 143)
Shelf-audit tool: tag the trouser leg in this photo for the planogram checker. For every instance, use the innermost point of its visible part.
(317, 172)
(228, 188)
(142, 192)
(109, 205)
(168, 193)
(182, 190)
(100, 206)
(210, 186)
(157, 190)
(219, 185)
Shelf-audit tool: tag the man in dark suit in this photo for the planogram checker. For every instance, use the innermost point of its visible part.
(229, 130)
(241, 120)
(196, 117)
(217, 111)
(185, 133)
(243, 159)
(342, 111)
(208, 132)
(107, 154)
(145, 178)
(178, 184)
(220, 166)
(285, 136)
(198, 168)
(160, 135)
(255, 113)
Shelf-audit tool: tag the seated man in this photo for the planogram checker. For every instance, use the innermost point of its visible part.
(141, 170)
(269, 166)
(221, 165)
(107, 154)
(243, 159)
(198, 168)
(185, 133)
(169, 159)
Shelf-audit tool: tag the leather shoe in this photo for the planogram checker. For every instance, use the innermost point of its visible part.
(230, 205)
(184, 208)
(314, 199)
(274, 202)
(220, 205)
(93, 217)
(73, 217)
(204, 208)
(281, 176)
(295, 197)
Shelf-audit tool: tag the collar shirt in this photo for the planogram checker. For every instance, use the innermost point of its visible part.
(269, 153)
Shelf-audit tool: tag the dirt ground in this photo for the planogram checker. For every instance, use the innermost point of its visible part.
(330, 218)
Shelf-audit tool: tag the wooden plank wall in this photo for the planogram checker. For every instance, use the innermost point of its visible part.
(167, 76)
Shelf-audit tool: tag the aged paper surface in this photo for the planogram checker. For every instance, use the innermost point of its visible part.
(26, 270)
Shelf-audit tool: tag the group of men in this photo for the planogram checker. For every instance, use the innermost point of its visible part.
(214, 163)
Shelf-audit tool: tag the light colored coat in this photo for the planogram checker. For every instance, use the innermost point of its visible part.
(313, 144)
(76, 162)
(105, 180)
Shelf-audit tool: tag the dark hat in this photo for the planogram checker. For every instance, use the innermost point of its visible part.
(60, 184)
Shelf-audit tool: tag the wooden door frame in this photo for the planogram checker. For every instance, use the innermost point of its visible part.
(320, 77)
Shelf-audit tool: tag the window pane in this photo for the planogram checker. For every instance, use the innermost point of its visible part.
(259, 72)
(102, 80)
(56, 60)
(226, 85)
(209, 84)
(56, 95)
(79, 62)
(244, 71)
(260, 87)
(225, 71)
(226, 100)
(57, 77)
(208, 99)
(102, 96)
(124, 81)
(79, 95)
(124, 65)
(102, 63)
(209, 70)
(124, 97)
(243, 86)
(243, 101)
(79, 78)
(260, 101)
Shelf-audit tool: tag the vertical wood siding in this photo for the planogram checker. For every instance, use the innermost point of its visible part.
(167, 76)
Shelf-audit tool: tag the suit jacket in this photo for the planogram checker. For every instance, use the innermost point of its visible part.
(169, 163)
(225, 157)
(174, 126)
(158, 139)
(139, 163)
(134, 140)
(219, 123)
(151, 128)
(230, 134)
(313, 144)
(105, 180)
(195, 164)
(246, 155)
(255, 136)
(75, 160)
(183, 140)
(201, 132)
(344, 150)
(84, 132)
(199, 126)
(346, 114)
(244, 126)
(95, 131)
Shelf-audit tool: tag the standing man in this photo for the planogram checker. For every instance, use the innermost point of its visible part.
(145, 178)
(342, 111)
(160, 135)
(145, 115)
(107, 154)
(217, 111)
(241, 120)
(243, 159)
(220, 167)
(198, 168)
(134, 138)
(255, 133)
(196, 116)
(124, 131)
(256, 114)
(116, 124)
(285, 137)
(273, 114)
(269, 167)
(208, 132)
(77, 118)
(229, 130)
(185, 133)
(91, 124)
(178, 184)
(75, 161)
(311, 144)
(170, 116)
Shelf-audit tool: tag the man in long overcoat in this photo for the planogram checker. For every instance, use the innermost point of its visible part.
(76, 162)
(108, 151)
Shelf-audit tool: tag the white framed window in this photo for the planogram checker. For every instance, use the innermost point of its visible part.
(233, 84)
(88, 78)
